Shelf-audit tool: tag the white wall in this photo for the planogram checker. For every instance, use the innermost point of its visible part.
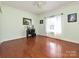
(70, 31)
(11, 24)
(0, 25)
(41, 27)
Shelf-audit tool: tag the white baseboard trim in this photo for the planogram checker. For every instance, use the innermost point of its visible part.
(11, 38)
(65, 39)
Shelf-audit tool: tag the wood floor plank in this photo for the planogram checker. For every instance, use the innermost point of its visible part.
(39, 47)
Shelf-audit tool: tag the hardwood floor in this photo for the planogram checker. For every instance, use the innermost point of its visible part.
(39, 47)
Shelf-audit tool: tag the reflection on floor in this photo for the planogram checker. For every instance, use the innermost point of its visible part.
(39, 46)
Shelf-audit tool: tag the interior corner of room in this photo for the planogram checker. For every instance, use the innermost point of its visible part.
(53, 27)
(11, 21)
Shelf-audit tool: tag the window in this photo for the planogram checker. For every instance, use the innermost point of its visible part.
(53, 24)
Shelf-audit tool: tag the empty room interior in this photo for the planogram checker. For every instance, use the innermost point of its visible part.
(39, 29)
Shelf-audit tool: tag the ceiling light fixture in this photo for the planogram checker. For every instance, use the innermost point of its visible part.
(39, 4)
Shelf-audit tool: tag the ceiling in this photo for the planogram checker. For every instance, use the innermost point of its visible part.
(29, 5)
